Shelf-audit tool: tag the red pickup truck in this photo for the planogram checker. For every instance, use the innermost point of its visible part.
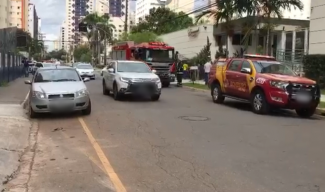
(265, 83)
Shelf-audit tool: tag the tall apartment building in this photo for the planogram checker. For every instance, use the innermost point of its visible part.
(317, 27)
(19, 14)
(131, 19)
(101, 6)
(4, 13)
(117, 8)
(40, 37)
(142, 7)
(32, 21)
(63, 37)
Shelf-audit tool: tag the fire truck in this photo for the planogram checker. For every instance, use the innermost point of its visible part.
(157, 55)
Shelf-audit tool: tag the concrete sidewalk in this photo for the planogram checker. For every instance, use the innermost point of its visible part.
(15, 92)
(14, 128)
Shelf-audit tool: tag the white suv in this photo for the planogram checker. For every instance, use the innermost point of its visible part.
(136, 78)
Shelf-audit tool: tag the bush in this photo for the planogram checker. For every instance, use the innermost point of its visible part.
(314, 68)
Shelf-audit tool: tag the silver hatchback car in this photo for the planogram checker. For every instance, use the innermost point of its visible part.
(58, 89)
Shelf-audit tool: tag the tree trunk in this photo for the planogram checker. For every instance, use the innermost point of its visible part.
(268, 36)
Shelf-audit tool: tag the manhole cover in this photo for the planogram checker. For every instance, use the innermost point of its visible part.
(194, 118)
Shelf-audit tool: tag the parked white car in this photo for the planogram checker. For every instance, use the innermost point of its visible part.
(131, 78)
(85, 70)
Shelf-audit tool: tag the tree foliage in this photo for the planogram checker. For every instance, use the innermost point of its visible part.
(82, 53)
(313, 66)
(56, 54)
(203, 56)
(139, 37)
(163, 20)
(228, 10)
(100, 34)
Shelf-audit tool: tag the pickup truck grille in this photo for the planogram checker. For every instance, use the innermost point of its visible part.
(57, 96)
(142, 87)
(295, 88)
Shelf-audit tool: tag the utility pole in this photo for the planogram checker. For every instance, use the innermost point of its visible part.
(126, 16)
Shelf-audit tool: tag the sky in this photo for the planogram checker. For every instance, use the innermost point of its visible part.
(52, 14)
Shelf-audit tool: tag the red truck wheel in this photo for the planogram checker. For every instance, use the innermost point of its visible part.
(216, 93)
(305, 112)
(259, 102)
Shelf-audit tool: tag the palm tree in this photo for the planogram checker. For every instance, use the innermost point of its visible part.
(274, 8)
(101, 30)
(263, 9)
(223, 14)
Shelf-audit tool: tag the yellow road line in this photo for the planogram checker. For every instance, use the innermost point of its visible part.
(119, 187)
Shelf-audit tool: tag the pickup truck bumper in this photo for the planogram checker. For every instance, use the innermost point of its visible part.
(291, 101)
(141, 89)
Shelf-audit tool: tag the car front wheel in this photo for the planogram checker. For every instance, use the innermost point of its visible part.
(155, 97)
(31, 113)
(116, 94)
(217, 96)
(87, 111)
(305, 112)
(105, 90)
(259, 102)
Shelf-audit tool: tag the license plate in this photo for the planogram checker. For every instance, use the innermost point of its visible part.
(303, 98)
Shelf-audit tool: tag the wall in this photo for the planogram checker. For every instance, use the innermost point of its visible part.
(189, 46)
(31, 9)
(317, 28)
(4, 13)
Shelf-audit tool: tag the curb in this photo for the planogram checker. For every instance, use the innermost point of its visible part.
(24, 103)
(320, 111)
(196, 89)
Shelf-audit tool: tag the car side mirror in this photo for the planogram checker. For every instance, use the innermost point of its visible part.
(86, 79)
(110, 70)
(246, 70)
(154, 71)
(28, 82)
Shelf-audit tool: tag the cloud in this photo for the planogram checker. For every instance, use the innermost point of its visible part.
(52, 14)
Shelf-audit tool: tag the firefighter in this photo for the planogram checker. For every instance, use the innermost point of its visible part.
(179, 72)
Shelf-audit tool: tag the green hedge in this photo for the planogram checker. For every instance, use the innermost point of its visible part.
(314, 68)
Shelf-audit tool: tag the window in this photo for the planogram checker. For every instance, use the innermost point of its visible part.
(234, 65)
(237, 39)
(246, 64)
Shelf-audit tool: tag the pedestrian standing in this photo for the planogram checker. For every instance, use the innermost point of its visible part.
(207, 68)
(26, 67)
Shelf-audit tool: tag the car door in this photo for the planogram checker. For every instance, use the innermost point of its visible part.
(111, 76)
(245, 80)
(106, 75)
(232, 73)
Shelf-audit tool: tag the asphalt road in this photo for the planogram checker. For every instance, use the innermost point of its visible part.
(183, 142)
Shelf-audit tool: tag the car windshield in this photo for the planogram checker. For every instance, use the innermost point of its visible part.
(81, 66)
(134, 67)
(56, 75)
(39, 65)
(159, 55)
(272, 67)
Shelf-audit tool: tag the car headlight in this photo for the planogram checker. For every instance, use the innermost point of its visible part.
(157, 80)
(39, 95)
(125, 79)
(279, 84)
(82, 93)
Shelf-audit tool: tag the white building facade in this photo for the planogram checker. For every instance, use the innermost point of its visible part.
(143, 7)
(317, 28)
(33, 20)
(4, 13)
(19, 14)
(63, 37)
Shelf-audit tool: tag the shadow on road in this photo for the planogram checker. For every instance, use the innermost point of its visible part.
(275, 112)
(46, 116)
